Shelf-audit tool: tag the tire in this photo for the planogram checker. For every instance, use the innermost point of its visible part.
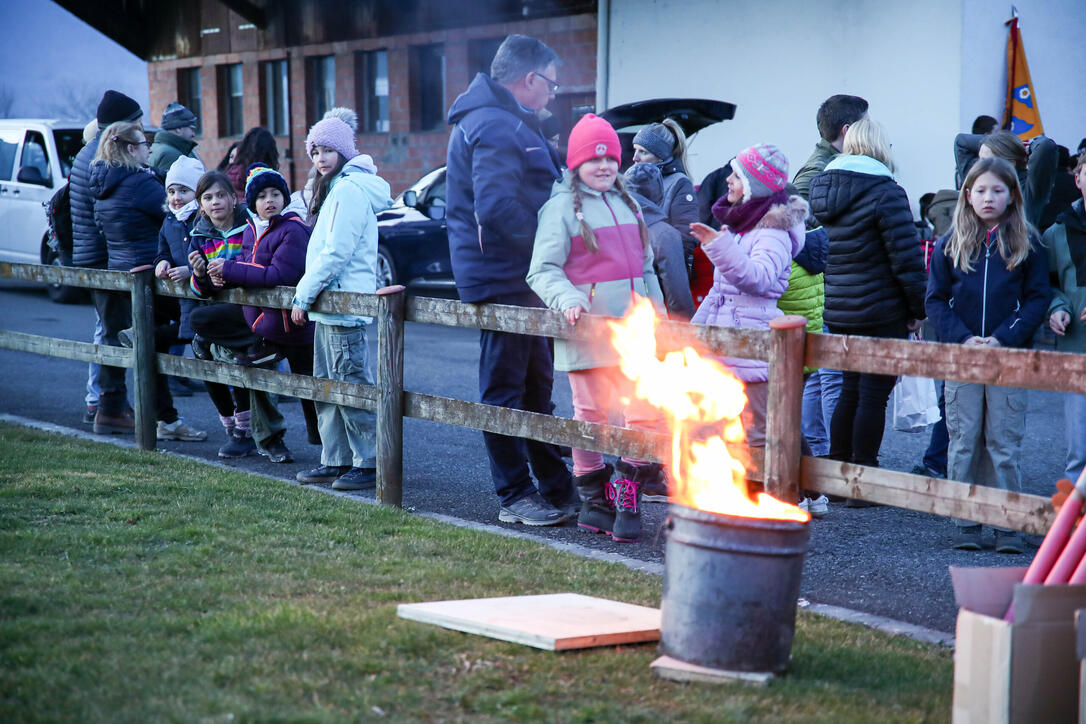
(58, 292)
(386, 269)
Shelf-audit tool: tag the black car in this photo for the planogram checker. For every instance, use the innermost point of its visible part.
(413, 244)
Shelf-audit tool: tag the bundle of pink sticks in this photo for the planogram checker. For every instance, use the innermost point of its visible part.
(1062, 555)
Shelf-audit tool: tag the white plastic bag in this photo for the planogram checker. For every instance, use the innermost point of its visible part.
(916, 404)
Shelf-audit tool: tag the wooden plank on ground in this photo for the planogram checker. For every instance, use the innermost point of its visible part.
(553, 621)
(991, 506)
(671, 669)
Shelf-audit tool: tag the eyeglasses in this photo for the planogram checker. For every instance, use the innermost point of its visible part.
(550, 83)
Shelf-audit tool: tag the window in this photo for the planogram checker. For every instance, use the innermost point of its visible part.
(35, 156)
(275, 104)
(9, 144)
(188, 93)
(371, 73)
(68, 144)
(320, 83)
(428, 87)
(481, 54)
(230, 89)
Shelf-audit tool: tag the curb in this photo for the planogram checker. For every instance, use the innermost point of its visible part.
(881, 623)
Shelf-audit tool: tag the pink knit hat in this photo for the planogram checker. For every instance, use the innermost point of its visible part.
(332, 133)
(592, 137)
(763, 169)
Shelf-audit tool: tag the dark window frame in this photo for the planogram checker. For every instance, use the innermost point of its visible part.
(189, 96)
(373, 106)
(275, 96)
(428, 87)
(231, 100)
(319, 71)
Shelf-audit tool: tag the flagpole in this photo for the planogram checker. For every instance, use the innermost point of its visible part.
(1012, 38)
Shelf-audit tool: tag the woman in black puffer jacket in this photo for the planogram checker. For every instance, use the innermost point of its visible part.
(874, 278)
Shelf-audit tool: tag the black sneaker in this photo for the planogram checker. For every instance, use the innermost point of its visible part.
(125, 337)
(356, 479)
(532, 510)
(262, 354)
(1009, 541)
(967, 538)
(323, 474)
(201, 348)
(275, 451)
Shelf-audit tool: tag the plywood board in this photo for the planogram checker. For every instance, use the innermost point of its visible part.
(555, 621)
(668, 668)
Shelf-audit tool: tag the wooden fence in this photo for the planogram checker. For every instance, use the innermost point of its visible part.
(785, 346)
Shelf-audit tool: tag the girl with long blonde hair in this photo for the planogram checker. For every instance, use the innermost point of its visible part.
(988, 287)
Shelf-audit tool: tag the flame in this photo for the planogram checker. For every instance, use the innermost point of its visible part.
(701, 400)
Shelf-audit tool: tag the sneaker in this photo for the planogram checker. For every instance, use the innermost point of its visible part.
(967, 538)
(323, 474)
(201, 349)
(654, 489)
(532, 510)
(179, 430)
(120, 424)
(239, 445)
(276, 451)
(356, 479)
(926, 472)
(1009, 541)
(262, 354)
(817, 507)
(127, 338)
(88, 416)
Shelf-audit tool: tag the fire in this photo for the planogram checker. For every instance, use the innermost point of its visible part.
(702, 401)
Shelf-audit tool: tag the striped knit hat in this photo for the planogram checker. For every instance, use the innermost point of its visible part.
(763, 170)
(260, 178)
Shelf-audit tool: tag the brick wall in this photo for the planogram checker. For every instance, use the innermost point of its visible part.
(402, 155)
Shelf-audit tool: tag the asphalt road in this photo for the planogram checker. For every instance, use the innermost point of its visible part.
(883, 560)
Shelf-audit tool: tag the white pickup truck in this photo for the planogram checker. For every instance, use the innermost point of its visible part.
(35, 160)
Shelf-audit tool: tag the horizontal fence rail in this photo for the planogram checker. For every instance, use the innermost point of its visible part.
(786, 347)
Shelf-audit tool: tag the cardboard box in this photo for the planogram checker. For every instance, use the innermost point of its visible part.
(1021, 672)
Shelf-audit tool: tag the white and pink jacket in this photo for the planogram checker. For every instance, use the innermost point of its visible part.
(751, 272)
(565, 274)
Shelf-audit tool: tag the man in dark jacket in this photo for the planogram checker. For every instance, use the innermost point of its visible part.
(500, 172)
(834, 117)
(177, 138)
(89, 250)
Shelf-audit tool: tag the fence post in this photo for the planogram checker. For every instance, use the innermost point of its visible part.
(787, 339)
(143, 374)
(390, 321)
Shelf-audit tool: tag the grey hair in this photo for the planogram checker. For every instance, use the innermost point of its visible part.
(519, 55)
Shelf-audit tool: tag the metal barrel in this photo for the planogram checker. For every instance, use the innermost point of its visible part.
(730, 589)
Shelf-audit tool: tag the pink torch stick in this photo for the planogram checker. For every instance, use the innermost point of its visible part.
(1055, 540)
(1079, 576)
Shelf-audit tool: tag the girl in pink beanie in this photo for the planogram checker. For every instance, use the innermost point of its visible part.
(592, 254)
(762, 229)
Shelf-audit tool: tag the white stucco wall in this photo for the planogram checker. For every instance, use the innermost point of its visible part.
(1052, 32)
(927, 68)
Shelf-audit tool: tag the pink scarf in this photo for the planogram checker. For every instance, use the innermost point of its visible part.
(741, 218)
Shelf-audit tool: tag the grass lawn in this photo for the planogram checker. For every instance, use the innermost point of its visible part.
(138, 587)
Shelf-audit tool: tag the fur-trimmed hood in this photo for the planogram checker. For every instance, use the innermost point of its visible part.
(785, 216)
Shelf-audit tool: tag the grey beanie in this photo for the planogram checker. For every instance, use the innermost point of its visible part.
(177, 116)
(657, 139)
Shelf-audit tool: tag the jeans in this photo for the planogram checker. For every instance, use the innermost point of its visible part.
(115, 312)
(517, 371)
(348, 434)
(820, 394)
(935, 455)
(986, 425)
(860, 418)
(1074, 414)
(94, 391)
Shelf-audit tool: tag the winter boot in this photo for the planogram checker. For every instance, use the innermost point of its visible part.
(597, 514)
(625, 494)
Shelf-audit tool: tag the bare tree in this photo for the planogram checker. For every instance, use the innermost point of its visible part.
(7, 101)
(73, 101)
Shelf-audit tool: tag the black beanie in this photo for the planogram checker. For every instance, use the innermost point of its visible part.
(116, 107)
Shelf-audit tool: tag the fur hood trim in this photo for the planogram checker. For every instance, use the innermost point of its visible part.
(785, 216)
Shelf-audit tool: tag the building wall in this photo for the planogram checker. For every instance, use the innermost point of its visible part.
(777, 60)
(402, 155)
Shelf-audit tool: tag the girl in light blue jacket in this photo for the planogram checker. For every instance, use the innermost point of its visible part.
(342, 256)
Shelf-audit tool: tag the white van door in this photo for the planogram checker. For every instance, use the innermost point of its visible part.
(32, 187)
(11, 247)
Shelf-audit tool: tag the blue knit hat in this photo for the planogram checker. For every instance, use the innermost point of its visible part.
(260, 178)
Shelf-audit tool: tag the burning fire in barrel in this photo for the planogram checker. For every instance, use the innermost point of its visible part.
(734, 556)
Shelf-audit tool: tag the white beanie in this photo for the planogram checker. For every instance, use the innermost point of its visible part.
(185, 171)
